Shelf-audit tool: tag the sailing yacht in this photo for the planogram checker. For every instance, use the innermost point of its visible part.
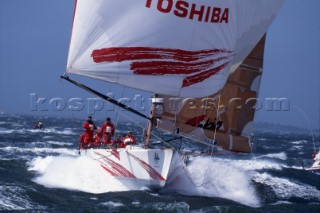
(201, 59)
(316, 164)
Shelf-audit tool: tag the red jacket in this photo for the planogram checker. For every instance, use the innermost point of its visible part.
(108, 129)
(129, 140)
(89, 128)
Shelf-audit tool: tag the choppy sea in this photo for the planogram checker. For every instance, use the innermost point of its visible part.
(40, 171)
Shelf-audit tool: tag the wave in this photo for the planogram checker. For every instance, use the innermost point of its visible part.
(13, 198)
(37, 150)
(214, 178)
(67, 131)
(75, 173)
(59, 143)
(6, 131)
(299, 142)
(287, 188)
(280, 155)
(112, 204)
(204, 176)
(235, 179)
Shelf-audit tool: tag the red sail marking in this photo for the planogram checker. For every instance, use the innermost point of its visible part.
(152, 172)
(116, 169)
(179, 66)
(170, 67)
(190, 80)
(115, 153)
(118, 54)
(196, 120)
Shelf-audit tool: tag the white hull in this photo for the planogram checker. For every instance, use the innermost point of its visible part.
(313, 168)
(135, 167)
(316, 164)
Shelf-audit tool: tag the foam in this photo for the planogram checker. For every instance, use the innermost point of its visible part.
(67, 131)
(74, 173)
(38, 151)
(59, 143)
(281, 155)
(6, 131)
(299, 142)
(286, 188)
(214, 178)
(13, 198)
(112, 204)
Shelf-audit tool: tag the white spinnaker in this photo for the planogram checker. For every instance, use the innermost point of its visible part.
(100, 24)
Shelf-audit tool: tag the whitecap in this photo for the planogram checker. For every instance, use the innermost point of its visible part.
(6, 131)
(214, 178)
(112, 204)
(299, 142)
(38, 151)
(13, 198)
(60, 143)
(286, 188)
(79, 173)
(280, 155)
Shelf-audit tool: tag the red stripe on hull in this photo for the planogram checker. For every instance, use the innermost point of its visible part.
(152, 172)
(116, 169)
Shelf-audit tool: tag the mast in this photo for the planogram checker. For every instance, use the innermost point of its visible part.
(150, 124)
(156, 112)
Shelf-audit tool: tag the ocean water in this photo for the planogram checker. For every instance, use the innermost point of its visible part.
(41, 171)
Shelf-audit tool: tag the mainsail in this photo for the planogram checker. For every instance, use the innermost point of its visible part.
(203, 54)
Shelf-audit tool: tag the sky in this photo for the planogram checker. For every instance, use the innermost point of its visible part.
(34, 42)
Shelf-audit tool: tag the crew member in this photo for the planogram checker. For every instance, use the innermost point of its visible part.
(118, 142)
(86, 139)
(98, 138)
(129, 139)
(108, 130)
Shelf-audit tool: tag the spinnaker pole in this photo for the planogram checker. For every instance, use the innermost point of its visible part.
(105, 97)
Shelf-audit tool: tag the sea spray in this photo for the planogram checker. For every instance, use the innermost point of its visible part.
(212, 177)
(75, 173)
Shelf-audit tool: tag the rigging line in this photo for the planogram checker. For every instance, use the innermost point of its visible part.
(309, 123)
(105, 97)
(142, 127)
(256, 116)
(118, 110)
(215, 129)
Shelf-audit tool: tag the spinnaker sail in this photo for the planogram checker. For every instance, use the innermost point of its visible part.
(205, 55)
(175, 47)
